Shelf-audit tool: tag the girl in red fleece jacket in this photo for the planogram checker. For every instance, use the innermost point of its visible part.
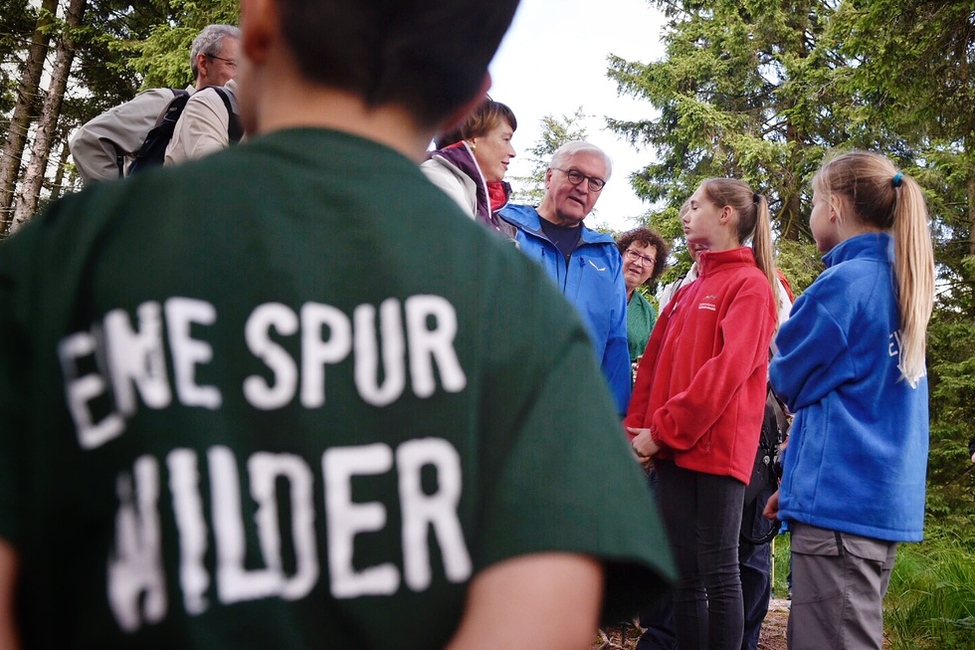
(699, 399)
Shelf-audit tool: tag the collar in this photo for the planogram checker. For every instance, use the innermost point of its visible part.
(527, 219)
(711, 261)
(460, 156)
(498, 193)
(871, 245)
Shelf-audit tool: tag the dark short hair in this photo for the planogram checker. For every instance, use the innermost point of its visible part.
(428, 56)
(646, 237)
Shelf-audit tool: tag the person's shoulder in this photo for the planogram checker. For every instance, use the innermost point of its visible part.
(591, 236)
(521, 215)
(157, 94)
(847, 280)
(60, 231)
(211, 96)
(439, 168)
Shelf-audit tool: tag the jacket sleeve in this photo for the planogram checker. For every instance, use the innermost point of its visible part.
(120, 131)
(202, 129)
(616, 356)
(813, 356)
(746, 331)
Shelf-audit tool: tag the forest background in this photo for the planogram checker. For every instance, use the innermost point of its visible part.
(757, 89)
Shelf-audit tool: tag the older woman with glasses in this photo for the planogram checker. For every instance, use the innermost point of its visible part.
(644, 256)
(469, 165)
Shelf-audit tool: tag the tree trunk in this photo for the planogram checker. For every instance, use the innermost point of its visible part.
(47, 124)
(57, 187)
(23, 115)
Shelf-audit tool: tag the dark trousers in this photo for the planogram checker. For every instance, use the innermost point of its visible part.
(703, 517)
(658, 617)
(755, 564)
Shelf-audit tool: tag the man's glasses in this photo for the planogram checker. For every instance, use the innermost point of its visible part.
(231, 62)
(575, 177)
(635, 257)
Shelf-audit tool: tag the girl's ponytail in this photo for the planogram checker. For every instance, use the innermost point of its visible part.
(762, 246)
(754, 222)
(885, 198)
(914, 265)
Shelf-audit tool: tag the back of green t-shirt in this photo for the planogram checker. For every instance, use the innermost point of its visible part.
(288, 396)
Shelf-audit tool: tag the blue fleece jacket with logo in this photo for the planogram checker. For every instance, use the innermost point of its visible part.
(593, 282)
(857, 456)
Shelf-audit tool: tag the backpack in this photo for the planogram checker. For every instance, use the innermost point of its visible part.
(765, 473)
(152, 153)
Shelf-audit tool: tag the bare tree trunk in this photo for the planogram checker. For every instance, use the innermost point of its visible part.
(57, 187)
(47, 124)
(23, 115)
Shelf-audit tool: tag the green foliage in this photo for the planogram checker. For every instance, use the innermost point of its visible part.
(17, 23)
(931, 599)
(741, 92)
(781, 565)
(800, 261)
(556, 131)
(164, 57)
(113, 32)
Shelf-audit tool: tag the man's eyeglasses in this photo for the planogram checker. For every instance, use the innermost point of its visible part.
(575, 177)
(231, 62)
(635, 257)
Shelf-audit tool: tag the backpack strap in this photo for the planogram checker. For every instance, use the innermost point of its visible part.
(780, 413)
(235, 130)
(153, 149)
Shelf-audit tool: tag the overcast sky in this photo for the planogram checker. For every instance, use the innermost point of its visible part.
(554, 60)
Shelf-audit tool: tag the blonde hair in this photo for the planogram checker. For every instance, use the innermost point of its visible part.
(753, 222)
(880, 195)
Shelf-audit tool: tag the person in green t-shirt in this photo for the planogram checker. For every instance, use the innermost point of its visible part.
(287, 396)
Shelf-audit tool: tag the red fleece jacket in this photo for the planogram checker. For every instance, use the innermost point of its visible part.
(700, 387)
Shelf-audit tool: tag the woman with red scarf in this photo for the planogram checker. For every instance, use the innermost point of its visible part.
(470, 165)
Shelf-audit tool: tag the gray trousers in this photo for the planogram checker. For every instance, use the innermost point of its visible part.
(838, 585)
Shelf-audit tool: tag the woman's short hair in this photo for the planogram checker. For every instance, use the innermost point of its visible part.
(480, 121)
(646, 237)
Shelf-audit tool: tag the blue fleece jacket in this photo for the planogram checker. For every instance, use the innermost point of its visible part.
(857, 456)
(593, 282)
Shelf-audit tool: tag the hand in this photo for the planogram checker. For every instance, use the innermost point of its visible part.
(772, 507)
(643, 445)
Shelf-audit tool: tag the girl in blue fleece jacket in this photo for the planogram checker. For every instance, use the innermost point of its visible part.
(851, 366)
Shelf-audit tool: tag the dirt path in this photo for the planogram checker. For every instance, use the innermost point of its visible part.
(772, 636)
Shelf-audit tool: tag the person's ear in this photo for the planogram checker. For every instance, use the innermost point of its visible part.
(203, 65)
(836, 208)
(726, 214)
(457, 118)
(548, 177)
(259, 26)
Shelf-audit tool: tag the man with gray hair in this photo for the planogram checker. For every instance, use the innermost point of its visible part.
(586, 265)
(103, 147)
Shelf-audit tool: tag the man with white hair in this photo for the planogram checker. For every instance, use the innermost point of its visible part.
(585, 264)
(103, 147)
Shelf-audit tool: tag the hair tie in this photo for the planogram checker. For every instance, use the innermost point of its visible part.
(897, 179)
(756, 196)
